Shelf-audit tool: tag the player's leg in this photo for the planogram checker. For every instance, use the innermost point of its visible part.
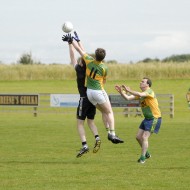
(90, 113)
(106, 109)
(81, 132)
(142, 138)
(94, 130)
(80, 127)
(139, 136)
(107, 116)
(144, 149)
(105, 121)
(145, 137)
(92, 126)
(100, 99)
(155, 127)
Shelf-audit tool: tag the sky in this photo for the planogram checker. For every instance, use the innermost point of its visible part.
(129, 30)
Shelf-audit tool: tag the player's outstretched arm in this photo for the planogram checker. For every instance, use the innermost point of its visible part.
(68, 38)
(122, 91)
(76, 37)
(135, 93)
(72, 55)
(78, 48)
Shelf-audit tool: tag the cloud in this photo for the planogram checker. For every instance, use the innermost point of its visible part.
(176, 41)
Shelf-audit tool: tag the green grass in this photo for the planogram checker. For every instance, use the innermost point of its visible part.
(39, 153)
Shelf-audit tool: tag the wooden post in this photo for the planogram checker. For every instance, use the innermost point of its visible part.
(172, 106)
(126, 112)
(35, 112)
(188, 98)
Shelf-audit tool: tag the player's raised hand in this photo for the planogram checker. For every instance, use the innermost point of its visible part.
(118, 88)
(76, 37)
(67, 38)
(126, 88)
(70, 40)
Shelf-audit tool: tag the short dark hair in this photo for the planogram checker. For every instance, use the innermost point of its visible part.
(82, 61)
(100, 54)
(149, 82)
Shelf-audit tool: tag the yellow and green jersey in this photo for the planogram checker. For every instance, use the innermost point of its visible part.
(96, 73)
(149, 105)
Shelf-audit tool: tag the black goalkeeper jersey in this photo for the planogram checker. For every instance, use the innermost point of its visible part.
(81, 75)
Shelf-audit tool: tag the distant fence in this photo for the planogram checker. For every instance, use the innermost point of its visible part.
(44, 103)
(132, 107)
(54, 103)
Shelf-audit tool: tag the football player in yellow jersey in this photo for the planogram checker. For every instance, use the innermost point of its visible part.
(96, 72)
(152, 115)
(85, 109)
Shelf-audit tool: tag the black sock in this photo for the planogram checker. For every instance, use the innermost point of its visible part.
(96, 136)
(84, 143)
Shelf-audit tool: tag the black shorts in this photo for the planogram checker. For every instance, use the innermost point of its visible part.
(85, 109)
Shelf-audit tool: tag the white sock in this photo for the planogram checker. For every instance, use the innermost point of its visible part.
(108, 130)
(85, 146)
(112, 132)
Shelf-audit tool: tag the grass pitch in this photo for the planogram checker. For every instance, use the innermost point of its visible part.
(39, 153)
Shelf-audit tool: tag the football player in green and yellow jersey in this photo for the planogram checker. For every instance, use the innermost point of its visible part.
(152, 115)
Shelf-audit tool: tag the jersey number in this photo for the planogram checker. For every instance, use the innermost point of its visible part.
(92, 75)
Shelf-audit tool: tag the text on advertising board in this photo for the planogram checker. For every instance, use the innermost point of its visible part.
(18, 100)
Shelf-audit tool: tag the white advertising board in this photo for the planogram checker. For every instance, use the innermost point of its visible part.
(64, 100)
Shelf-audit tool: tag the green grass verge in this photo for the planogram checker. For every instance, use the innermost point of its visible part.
(39, 153)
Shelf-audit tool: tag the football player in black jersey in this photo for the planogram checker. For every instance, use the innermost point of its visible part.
(85, 108)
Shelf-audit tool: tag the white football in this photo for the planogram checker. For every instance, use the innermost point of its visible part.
(67, 27)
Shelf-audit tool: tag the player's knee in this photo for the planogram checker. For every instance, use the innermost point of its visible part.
(138, 138)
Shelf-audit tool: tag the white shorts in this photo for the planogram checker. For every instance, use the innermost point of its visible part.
(97, 96)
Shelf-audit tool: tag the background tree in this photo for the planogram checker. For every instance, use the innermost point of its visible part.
(27, 59)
